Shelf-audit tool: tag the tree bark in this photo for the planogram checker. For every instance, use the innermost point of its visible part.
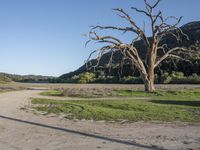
(148, 82)
(149, 77)
(149, 86)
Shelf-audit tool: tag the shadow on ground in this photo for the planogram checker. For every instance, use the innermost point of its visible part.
(177, 102)
(83, 133)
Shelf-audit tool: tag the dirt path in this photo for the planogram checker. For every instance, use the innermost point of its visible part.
(20, 130)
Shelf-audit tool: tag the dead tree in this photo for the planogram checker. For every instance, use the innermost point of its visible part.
(156, 52)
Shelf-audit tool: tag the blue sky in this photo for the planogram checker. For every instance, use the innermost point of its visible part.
(44, 36)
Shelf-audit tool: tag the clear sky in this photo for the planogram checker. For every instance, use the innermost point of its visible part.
(44, 36)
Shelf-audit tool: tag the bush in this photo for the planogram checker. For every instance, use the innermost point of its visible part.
(177, 75)
(111, 79)
(165, 78)
(86, 77)
(132, 80)
(193, 79)
(179, 78)
(107, 79)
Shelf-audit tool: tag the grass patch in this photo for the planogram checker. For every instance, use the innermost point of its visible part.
(116, 110)
(52, 93)
(184, 94)
(162, 105)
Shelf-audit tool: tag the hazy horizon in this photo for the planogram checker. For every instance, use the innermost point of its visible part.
(43, 37)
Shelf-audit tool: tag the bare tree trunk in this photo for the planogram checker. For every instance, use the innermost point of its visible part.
(149, 78)
(148, 82)
(150, 85)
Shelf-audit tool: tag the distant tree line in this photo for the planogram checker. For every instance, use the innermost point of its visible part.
(4, 77)
(100, 77)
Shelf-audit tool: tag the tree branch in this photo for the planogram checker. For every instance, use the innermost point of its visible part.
(141, 11)
(168, 53)
(126, 29)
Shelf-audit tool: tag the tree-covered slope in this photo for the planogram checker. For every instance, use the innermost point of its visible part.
(187, 67)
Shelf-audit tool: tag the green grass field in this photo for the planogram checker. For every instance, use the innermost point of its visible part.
(183, 105)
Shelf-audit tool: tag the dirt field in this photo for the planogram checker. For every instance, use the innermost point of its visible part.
(24, 130)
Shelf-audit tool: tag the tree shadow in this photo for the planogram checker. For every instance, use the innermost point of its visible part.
(134, 144)
(177, 102)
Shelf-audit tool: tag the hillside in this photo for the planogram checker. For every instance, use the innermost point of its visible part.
(192, 29)
(5, 77)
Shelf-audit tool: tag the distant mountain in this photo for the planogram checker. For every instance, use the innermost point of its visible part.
(192, 29)
(5, 77)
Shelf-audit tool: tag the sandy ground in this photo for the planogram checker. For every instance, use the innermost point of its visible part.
(21, 130)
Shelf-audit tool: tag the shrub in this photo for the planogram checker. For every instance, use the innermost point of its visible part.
(193, 79)
(179, 78)
(86, 77)
(177, 75)
(112, 79)
(165, 78)
(132, 80)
